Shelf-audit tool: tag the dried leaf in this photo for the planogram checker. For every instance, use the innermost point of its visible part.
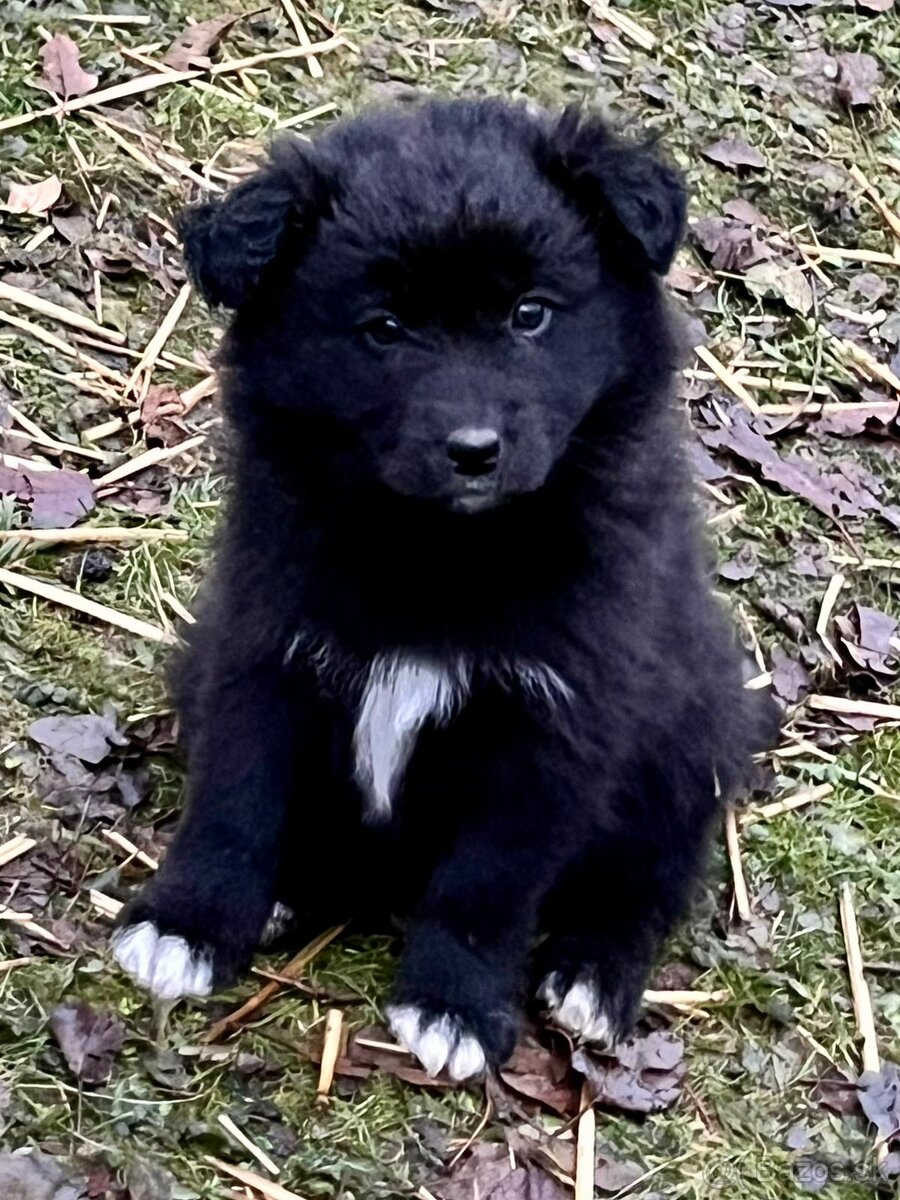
(57, 498)
(782, 281)
(539, 1074)
(641, 1074)
(36, 1176)
(734, 153)
(89, 1040)
(858, 76)
(727, 29)
(85, 736)
(879, 1098)
(850, 491)
(488, 1174)
(62, 71)
(789, 677)
(731, 244)
(876, 6)
(33, 199)
(193, 46)
(160, 410)
(868, 639)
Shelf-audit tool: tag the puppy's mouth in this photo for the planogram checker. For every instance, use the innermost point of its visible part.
(477, 495)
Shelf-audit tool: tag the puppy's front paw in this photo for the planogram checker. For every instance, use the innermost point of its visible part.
(168, 966)
(439, 1041)
(578, 1009)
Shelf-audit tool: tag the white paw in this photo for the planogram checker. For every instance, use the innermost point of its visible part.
(578, 1011)
(439, 1043)
(165, 965)
(279, 920)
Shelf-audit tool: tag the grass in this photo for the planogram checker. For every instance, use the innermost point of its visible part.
(750, 1110)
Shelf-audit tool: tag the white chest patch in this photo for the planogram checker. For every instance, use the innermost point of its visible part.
(400, 695)
(403, 693)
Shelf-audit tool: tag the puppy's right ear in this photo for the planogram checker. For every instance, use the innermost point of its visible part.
(229, 242)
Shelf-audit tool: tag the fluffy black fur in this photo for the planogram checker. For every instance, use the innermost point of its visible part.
(350, 534)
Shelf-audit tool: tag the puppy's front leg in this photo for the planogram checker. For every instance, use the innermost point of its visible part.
(457, 996)
(195, 925)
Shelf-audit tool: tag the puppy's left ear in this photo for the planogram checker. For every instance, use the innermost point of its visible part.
(607, 176)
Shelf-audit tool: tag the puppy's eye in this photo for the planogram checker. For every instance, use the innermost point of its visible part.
(530, 316)
(384, 330)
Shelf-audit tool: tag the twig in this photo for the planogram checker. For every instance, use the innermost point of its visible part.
(864, 363)
(242, 1140)
(149, 458)
(133, 851)
(108, 18)
(13, 964)
(309, 115)
(829, 600)
(158, 79)
(585, 1148)
(626, 25)
(44, 335)
(859, 989)
(765, 811)
(25, 921)
(93, 533)
(15, 848)
(315, 67)
(890, 217)
(90, 608)
(842, 253)
(726, 377)
(295, 967)
(147, 361)
(686, 997)
(192, 397)
(331, 1048)
(763, 383)
(57, 312)
(732, 842)
(271, 1191)
(105, 905)
(473, 1136)
(855, 708)
(35, 434)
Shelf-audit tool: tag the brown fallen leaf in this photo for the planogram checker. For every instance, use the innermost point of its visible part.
(642, 1074)
(542, 1075)
(90, 1040)
(490, 1173)
(33, 199)
(88, 737)
(868, 639)
(731, 244)
(879, 1098)
(57, 498)
(734, 153)
(63, 75)
(858, 76)
(790, 679)
(194, 44)
(36, 1176)
(850, 491)
(160, 410)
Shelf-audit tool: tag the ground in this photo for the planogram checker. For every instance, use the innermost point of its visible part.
(767, 107)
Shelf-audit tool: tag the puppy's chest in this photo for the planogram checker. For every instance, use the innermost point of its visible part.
(395, 695)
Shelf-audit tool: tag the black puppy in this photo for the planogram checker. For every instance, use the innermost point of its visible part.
(459, 632)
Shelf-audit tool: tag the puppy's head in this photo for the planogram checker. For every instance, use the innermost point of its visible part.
(444, 295)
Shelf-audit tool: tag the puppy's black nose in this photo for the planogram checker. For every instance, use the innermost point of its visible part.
(474, 451)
